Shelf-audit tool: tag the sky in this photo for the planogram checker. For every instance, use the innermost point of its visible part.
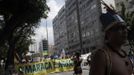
(55, 6)
(41, 33)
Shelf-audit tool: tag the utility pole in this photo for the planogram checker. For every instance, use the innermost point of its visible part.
(47, 35)
(46, 30)
(79, 26)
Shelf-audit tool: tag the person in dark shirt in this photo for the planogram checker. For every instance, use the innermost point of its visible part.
(77, 64)
(88, 60)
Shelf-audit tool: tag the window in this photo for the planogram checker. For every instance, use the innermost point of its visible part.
(83, 34)
(87, 33)
(94, 6)
(91, 32)
(96, 30)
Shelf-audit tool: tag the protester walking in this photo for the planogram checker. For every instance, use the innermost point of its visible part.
(88, 60)
(77, 64)
(111, 59)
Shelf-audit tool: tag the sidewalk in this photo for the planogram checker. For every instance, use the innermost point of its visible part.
(85, 72)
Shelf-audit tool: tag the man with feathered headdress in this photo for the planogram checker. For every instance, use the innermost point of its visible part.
(111, 59)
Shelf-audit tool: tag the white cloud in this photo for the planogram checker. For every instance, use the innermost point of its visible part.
(54, 8)
(41, 33)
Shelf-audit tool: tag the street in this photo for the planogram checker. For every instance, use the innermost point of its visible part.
(85, 72)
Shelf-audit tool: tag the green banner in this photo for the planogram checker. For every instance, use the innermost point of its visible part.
(47, 66)
(45, 52)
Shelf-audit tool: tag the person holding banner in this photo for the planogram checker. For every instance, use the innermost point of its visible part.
(77, 64)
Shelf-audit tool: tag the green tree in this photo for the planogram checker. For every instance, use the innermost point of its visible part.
(128, 16)
(19, 42)
(23, 39)
(19, 16)
(18, 12)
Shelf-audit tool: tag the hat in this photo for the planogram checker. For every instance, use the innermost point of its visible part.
(110, 19)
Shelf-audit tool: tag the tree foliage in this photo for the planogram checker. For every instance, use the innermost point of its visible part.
(18, 12)
(128, 16)
(20, 18)
(22, 38)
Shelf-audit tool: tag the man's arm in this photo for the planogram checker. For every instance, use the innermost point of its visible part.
(98, 63)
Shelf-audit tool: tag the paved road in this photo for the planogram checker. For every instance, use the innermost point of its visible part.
(85, 72)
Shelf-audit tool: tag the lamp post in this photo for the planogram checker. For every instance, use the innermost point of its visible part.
(46, 30)
(47, 34)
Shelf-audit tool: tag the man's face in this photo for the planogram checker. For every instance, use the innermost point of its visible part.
(117, 34)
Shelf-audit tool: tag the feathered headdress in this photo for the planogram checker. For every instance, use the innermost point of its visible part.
(110, 18)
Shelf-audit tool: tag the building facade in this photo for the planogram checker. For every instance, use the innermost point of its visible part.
(43, 45)
(72, 26)
(34, 47)
(51, 49)
(83, 27)
(60, 32)
(90, 11)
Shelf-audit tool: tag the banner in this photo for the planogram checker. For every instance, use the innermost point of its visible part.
(63, 65)
(45, 67)
(45, 52)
